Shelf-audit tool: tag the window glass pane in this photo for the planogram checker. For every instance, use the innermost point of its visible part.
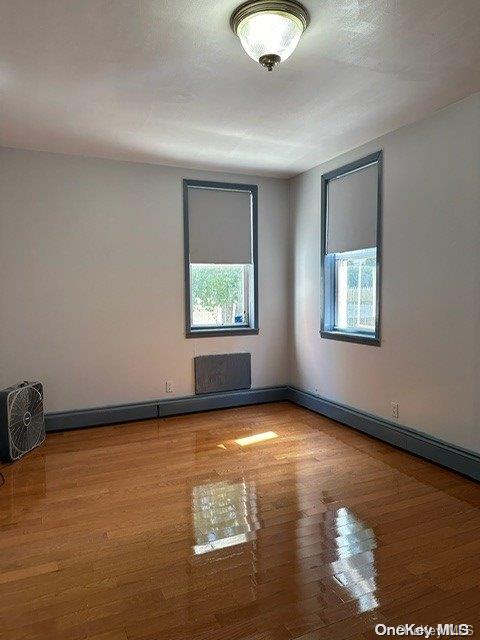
(220, 295)
(355, 290)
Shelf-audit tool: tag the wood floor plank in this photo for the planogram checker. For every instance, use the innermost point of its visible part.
(28, 572)
(168, 529)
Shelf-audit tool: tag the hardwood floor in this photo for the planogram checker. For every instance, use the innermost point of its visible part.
(168, 529)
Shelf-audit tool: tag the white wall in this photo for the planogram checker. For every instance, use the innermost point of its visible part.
(429, 360)
(91, 280)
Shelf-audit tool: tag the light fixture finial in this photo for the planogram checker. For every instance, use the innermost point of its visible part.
(269, 61)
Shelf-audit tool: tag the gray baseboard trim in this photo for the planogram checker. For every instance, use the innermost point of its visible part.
(78, 419)
(224, 400)
(416, 442)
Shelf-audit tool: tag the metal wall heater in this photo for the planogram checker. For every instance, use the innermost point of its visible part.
(224, 372)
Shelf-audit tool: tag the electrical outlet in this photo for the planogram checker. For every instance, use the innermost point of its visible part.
(395, 410)
(169, 386)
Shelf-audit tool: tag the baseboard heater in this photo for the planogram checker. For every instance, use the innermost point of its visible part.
(98, 416)
(416, 442)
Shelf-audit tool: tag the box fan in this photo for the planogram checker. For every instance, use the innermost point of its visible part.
(22, 423)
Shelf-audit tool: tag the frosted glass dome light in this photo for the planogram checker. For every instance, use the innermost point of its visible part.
(269, 31)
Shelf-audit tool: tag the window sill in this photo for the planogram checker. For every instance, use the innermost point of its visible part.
(359, 338)
(218, 333)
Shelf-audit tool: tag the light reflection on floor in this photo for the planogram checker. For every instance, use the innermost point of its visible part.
(360, 587)
(224, 515)
(258, 437)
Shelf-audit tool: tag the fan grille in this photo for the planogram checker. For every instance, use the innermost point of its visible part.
(26, 421)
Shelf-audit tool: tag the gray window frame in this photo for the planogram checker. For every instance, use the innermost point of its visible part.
(327, 329)
(253, 328)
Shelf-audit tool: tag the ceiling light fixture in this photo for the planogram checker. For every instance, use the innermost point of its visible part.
(269, 30)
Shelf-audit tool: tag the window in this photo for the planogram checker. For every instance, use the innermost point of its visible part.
(351, 203)
(220, 258)
(220, 295)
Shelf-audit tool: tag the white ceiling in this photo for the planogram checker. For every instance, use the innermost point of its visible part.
(166, 81)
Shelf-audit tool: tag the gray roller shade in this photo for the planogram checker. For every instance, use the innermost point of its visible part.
(220, 226)
(352, 210)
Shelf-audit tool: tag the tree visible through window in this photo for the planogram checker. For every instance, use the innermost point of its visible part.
(219, 295)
